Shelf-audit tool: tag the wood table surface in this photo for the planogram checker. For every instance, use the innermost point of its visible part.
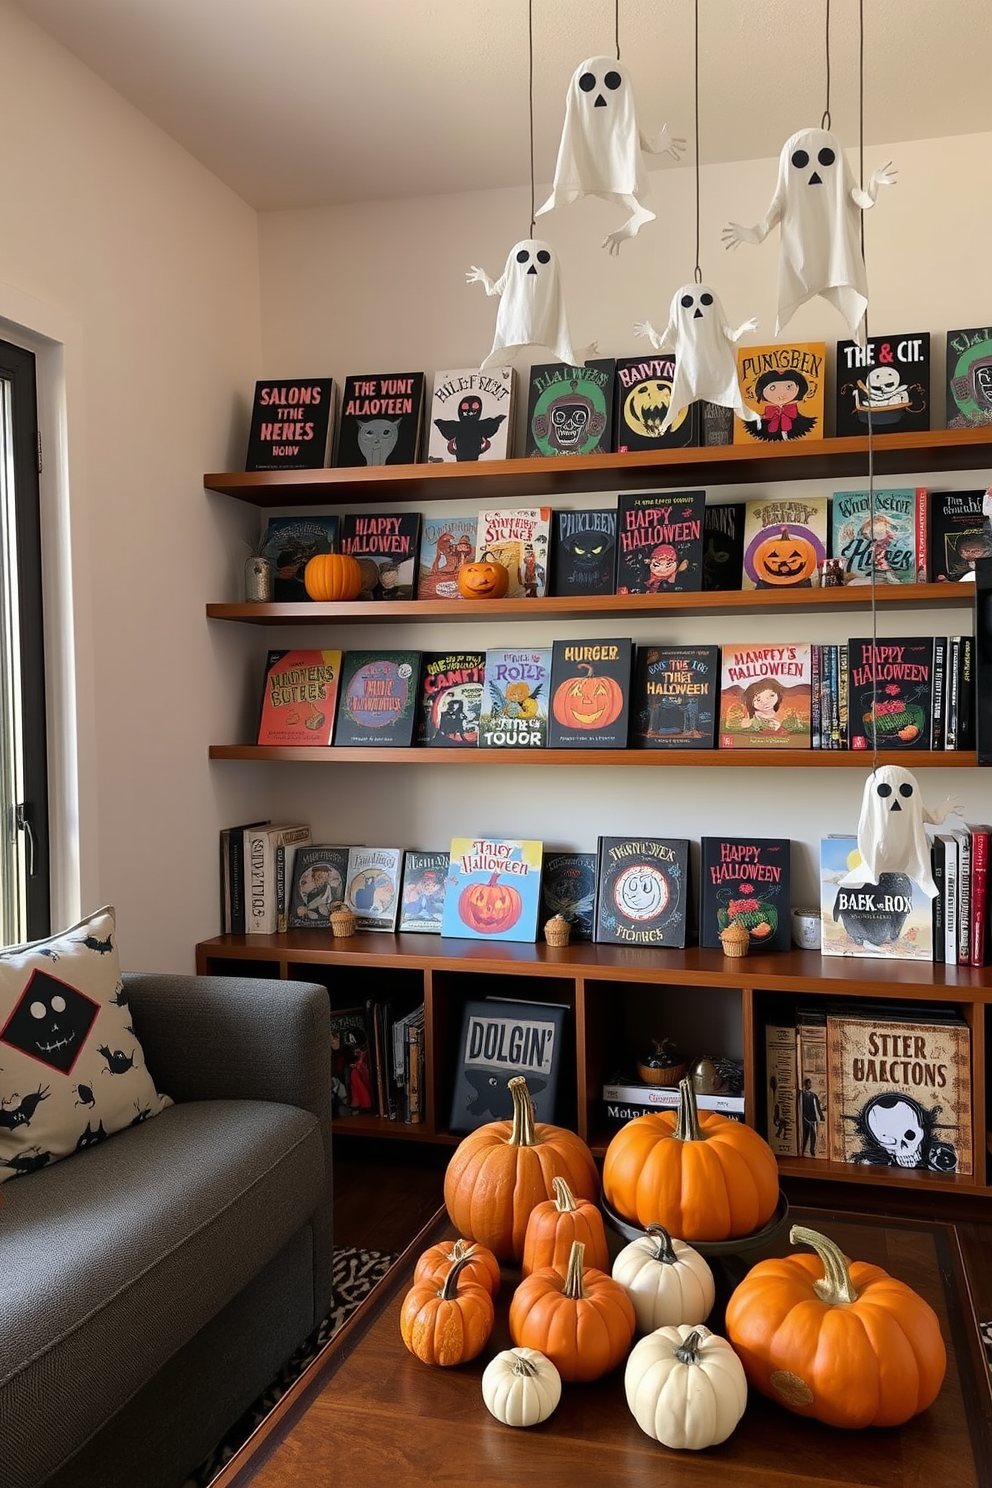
(367, 1414)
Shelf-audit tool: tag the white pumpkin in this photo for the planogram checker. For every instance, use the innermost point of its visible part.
(667, 1281)
(521, 1387)
(685, 1387)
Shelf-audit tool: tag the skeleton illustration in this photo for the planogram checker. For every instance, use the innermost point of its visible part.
(705, 361)
(532, 304)
(897, 1131)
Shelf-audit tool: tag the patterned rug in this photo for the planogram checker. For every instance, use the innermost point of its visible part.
(355, 1273)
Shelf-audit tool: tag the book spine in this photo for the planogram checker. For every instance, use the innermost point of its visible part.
(815, 697)
(964, 898)
(811, 1082)
(979, 894)
(666, 1098)
(937, 693)
(937, 862)
(780, 1088)
(282, 915)
(415, 1074)
(950, 900)
(966, 694)
(833, 685)
(225, 882)
(953, 692)
(921, 534)
(236, 856)
(843, 693)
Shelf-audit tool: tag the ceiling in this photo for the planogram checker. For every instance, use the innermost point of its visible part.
(301, 103)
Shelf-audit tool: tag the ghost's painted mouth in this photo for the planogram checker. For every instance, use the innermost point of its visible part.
(58, 1044)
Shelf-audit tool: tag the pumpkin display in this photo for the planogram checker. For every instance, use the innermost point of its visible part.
(332, 576)
(501, 1170)
(555, 1223)
(788, 558)
(481, 1266)
(702, 1177)
(447, 1322)
(490, 907)
(841, 1341)
(483, 580)
(588, 702)
(685, 1387)
(668, 1282)
(521, 1387)
(581, 1318)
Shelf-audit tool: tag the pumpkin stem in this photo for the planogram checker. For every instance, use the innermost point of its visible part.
(523, 1366)
(665, 1251)
(687, 1128)
(573, 1287)
(564, 1198)
(835, 1286)
(449, 1287)
(460, 1248)
(687, 1352)
(522, 1132)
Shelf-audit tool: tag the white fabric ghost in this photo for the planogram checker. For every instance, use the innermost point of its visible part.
(818, 205)
(891, 834)
(600, 153)
(703, 343)
(532, 303)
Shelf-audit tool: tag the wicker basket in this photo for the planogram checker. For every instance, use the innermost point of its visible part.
(735, 940)
(665, 1074)
(343, 921)
(557, 930)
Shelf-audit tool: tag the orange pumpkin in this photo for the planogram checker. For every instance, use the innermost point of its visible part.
(333, 576)
(786, 559)
(481, 1266)
(588, 702)
(491, 907)
(702, 1177)
(556, 1223)
(448, 1322)
(582, 1320)
(483, 580)
(841, 1341)
(501, 1170)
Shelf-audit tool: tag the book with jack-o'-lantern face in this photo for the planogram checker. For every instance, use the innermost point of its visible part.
(590, 693)
(493, 888)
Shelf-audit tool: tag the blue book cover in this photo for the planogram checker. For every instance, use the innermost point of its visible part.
(493, 890)
(515, 698)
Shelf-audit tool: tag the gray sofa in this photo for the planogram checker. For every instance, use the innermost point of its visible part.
(152, 1285)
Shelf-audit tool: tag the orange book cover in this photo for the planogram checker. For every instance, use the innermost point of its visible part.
(786, 384)
(299, 697)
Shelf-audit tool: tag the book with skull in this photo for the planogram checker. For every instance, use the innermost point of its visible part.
(643, 895)
(785, 384)
(969, 377)
(471, 416)
(584, 552)
(887, 379)
(891, 920)
(660, 542)
(570, 409)
(642, 399)
(381, 419)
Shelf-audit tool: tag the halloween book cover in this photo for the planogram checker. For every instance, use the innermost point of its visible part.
(570, 409)
(590, 694)
(568, 888)
(644, 894)
(289, 544)
(501, 1039)
(299, 695)
(319, 877)
(765, 696)
(515, 697)
(451, 688)
(471, 416)
(786, 385)
(890, 692)
(891, 920)
(520, 539)
(785, 541)
(660, 542)
(880, 534)
(958, 534)
(889, 379)
(746, 881)
(372, 887)
(643, 396)
(386, 546)
(968, 377)
(723, 545)
(291, 424)
(445, 544)
(493, 889)
(380, 691)
(900, 1089)
(812, 1084)
(674, 697)
(584, 552)
(422, 892)
(381, 419)
(780, 1088)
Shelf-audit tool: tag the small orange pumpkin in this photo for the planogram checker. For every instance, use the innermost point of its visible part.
(785, 559)
(333, 576)
(447, 1322)
(483, 580)
(556, 1223)
(588, 702)
(490, 907)
(481, 1266)
(582, 1320)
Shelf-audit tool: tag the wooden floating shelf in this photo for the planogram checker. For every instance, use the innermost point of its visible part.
(751, 759)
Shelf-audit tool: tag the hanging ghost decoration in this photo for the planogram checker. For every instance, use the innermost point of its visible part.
(818, 206)
(703, 343)
(891, 834)
(600, 153)
(532, 304)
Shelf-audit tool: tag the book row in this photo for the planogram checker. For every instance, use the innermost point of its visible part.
(377, 1061)
(615, 404)
(915, 693)
(649, 543)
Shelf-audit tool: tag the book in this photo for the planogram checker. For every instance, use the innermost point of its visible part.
(812, 1085)
(964, 897)
(643, 396)
(400, 1031)
(660, 542)
(320, 875)
(232, 877)
(515, 697)
(291, 424)
(666, 1097)
(451, 689)
(958, 534)
(900, 1089)
(937, 903)
(785, 384)
(949, 845)
(570, 409)
(890, 688)
(289, 544)
(499, 1040)
(584, 552)
(891, 919)
(299, 697)
(880, 535)
(617, 1113)
(723, 544)
(493, 891)
(746, 881)
(968, 373)
(965, 678)
(780, 1089)
(938, 694)
(386, 546)
(674, 697)
(978, 944)
(785, 541)
(520, 539)
(422, 891)
(380, 691)
(445, 544)
(352, 1075)
(471, 416)
(716, 423)
(765, 696)
(590, 693)
(643, 893)
(381, 419)
(887, 379)
(372, 886)
(265, 875)
(414, 1069)
(568, 888)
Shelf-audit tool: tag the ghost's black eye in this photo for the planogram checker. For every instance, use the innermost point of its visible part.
(706, 299)
(800, 159)
(686, 301)
(612, 81)
(523, 256)
(587, 82)
(883, 790)
(543, 256)
(826, 156)
(906, 791)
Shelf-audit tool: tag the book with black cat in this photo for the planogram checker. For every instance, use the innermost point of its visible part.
(381, 419)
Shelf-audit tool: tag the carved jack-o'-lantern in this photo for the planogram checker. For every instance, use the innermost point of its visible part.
(483, 580)
(490, 907)
(786, 559)
(588, 702)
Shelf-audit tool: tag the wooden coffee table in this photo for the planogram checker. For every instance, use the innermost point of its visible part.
(367, 1414)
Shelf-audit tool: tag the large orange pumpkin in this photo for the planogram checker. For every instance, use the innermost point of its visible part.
(582, 1320)
(447, 1322)
(841, 1341)
(702, 1177)
(490, 907)
(588, 702)
(333, 576)
(556, 1223)
(500, 1171)
(483, 580)
(785, 559)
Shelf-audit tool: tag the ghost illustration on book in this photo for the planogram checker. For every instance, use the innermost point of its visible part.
(891, 833)
(818, 206)
(600, 153)
(531, 304)
(705, 361)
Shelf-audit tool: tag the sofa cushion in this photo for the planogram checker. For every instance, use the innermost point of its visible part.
(72, 1070)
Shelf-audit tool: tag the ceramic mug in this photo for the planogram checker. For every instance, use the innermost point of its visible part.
(806, 929)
